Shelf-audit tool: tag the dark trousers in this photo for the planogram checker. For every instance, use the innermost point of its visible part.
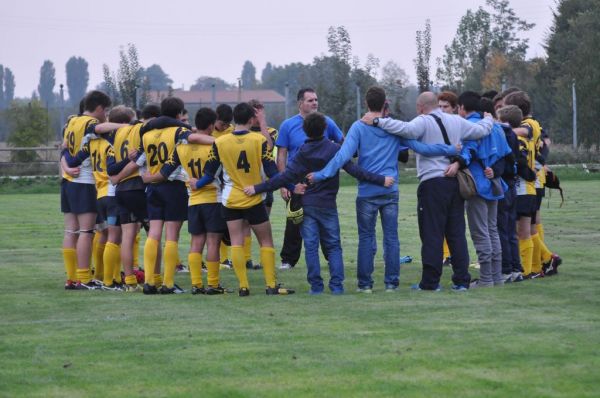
(440, 212)
(292, 239)
(507, 230)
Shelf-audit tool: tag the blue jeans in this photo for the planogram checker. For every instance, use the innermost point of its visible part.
(366, 218)
(322, 224)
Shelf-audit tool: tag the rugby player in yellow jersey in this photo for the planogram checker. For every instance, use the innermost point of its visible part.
(78, 193)
(531, 130)
(205, 222)
(124, 172)
(98, 150)
(166, 200)
(245, 157)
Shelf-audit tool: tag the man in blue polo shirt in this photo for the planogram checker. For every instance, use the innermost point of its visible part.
(291, 138)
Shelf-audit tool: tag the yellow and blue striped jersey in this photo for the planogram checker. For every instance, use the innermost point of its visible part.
(193, 158)
(523, 186)
(216, 133)
(159, 145)
(127, 138)
(75, 130)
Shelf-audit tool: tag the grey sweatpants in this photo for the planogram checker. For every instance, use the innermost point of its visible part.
(481, 215)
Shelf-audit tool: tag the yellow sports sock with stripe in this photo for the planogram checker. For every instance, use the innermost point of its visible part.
(223, 253)
(195, 263)
(83, 275)
(131, 280)
(158, 281)
(446, 249)
(95, 241)
(136, 251)
(526, 252)
(540, 229)
(248, 247)
(150, 254)
(170, 253)
(98, 249)
(70, 260)
(239, 265)
(117, 267)
(267, 260)
(111, 254)
(212, 277)
(536, 259)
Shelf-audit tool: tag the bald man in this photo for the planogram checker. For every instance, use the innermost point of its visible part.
(440, 206)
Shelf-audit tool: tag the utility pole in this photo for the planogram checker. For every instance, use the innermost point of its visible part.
(62, 109)
(239, 99)
(287, 94)
(357, 101)
(574, 116)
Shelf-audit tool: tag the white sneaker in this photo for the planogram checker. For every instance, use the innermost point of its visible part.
(285, 266)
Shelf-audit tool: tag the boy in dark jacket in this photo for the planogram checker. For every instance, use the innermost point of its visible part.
(320, 221)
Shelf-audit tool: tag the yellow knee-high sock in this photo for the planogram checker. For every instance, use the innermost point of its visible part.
(158, 280)
(223, 253)
(540, 229)
(195, 263)
(150, 254)
(95, 241)
(131, 280)
(212, 276)
(239, 265)
(98, 249)
(111, 253)
(136, 251)
(248, 247)
(170, 253)
(117, 267)
(267, 260)
(526, 251)
(446, 249)
(84, 275)
(70, 260)
(536, 259)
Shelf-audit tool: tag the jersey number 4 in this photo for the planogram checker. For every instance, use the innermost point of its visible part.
(242, 163)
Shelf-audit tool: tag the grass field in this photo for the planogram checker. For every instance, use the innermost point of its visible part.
(538, 338)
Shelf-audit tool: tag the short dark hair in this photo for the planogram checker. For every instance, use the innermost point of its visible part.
(82, 106)
(242, 113)
(204, 118)
(184, 111)
(302, 91)
(375, 98)
(121, 114)
(314, 125)
(520, 99)
(96, 98)
(470, 100)
(510, 114)
(256, 104)
(172, 107)
(487, 105)
(490, 94)
(449, 97)
(224, 113)
(150, 111)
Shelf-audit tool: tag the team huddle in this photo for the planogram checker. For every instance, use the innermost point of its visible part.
(125, 172)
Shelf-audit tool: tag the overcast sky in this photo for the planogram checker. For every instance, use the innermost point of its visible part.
(189, 39)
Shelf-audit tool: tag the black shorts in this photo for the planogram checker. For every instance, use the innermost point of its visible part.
(132, 206)
(77, 198)
(167, 201)
(526, 206)
(268, 199)
(254, 215)
(539, 196)
(108, 210)
(205, 218)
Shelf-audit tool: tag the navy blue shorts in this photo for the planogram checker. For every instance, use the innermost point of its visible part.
(167, 201)
(77, 198)
(526, 206)
(108, 210)
(254, 215)
(205, 218)
(539, 196)
(132, 206)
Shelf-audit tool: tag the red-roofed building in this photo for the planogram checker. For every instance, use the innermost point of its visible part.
(231, 97)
